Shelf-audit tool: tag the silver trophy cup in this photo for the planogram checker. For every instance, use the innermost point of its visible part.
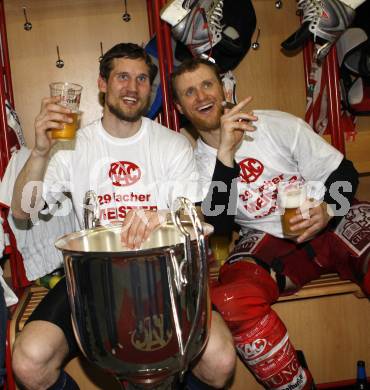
(142, 315)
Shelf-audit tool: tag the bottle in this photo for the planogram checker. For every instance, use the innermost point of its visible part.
(361, 379)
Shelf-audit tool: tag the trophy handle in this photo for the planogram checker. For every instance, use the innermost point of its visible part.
(91, 210)
(180, 281)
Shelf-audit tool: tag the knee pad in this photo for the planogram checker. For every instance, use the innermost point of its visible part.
(244, 293)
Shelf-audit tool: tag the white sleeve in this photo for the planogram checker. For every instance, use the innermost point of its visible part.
(316, 158)
(56, 178)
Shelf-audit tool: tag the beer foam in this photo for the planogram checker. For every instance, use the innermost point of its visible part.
(292, 199)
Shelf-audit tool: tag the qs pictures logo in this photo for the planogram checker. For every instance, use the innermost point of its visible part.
(151, 336)
(124, 173)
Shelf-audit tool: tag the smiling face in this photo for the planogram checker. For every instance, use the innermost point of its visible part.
(199, 97)
(127, 90)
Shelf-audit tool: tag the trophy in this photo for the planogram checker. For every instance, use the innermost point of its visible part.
(142, 315)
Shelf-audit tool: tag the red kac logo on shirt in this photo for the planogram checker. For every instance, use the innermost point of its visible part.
(250, 170)
(124, 173)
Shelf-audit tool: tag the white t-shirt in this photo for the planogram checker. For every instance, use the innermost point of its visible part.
(148, 170)
(283, 148)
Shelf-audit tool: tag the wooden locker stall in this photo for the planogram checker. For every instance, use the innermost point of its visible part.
(77, 27)
(275, 80)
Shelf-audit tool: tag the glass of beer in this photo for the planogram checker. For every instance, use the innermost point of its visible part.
(291, 198)
(70, 94)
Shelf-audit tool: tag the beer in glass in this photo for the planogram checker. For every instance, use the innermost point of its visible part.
(291, 199)
(70, 95)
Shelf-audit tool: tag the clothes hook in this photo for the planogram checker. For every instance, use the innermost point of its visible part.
(60, 63)
(278, 4)
(27, 25)
(256, 44)
(126, 17)
(101, 51)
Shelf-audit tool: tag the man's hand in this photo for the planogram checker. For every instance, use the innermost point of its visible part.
(52, 116)
(138, 225)
(234, 123)
(312, 217)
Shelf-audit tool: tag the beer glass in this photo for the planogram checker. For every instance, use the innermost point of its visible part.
(70, 96)
(291, 198)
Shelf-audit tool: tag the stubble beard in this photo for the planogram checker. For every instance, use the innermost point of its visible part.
(117, 111)
(207, 125)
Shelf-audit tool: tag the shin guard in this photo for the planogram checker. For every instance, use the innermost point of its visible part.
(268, 352)
(243, 297)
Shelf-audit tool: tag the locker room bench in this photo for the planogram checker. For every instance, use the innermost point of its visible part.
(328, 319)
